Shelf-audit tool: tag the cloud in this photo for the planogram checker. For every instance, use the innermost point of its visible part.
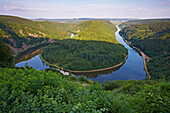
(139, 9)
(16, 8)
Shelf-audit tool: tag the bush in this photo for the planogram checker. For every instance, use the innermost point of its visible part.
(72, 78)
(110, 85)
(90, 81)
(82, 78)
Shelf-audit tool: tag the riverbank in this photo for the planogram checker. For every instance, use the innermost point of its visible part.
(145, 57)
(28, 56)
(88, 71)
(32, 48)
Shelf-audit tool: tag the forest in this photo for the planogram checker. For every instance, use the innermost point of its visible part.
(143, 21)
(80, 55)
(6, 59)
(154, 40)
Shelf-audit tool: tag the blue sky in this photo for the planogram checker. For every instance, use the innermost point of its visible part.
(86, 8)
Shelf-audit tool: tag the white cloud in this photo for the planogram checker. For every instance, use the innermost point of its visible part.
(16, 8)
(139, 8)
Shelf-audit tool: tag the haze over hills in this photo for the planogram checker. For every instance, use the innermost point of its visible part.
(79, 20)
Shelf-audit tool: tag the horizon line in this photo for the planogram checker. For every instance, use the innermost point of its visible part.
(32, 18)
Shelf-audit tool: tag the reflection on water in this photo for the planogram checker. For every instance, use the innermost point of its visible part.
(96, 74)
(132, 69)
(34, 62)
(30, 54)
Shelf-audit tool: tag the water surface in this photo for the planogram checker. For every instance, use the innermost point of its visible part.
(34, 62)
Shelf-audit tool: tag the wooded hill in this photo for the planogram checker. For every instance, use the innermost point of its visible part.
(21, 33)
(98, 30)
(154, 40)
(145, 21)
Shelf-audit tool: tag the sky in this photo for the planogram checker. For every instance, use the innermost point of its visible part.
(54, 9)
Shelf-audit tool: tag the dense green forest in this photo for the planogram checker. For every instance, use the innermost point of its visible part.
(21, 33)
(98, 30)
(80, 55)
(154, 40)
(145, 21)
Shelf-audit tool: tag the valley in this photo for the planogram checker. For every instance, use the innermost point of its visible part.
(132, 68)
(90, 57)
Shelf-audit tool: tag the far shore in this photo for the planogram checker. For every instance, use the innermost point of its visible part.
(143, 56)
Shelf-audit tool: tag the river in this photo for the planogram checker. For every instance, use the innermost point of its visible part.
(72, 35)
(133, 68)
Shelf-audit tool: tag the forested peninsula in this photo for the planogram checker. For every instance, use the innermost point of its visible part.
(95, 47)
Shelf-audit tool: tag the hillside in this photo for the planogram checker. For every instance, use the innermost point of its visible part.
(145, 21)
(21, 33)
(154, 40)
(98, 30)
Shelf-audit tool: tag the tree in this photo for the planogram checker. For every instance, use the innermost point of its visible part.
(6, 58)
